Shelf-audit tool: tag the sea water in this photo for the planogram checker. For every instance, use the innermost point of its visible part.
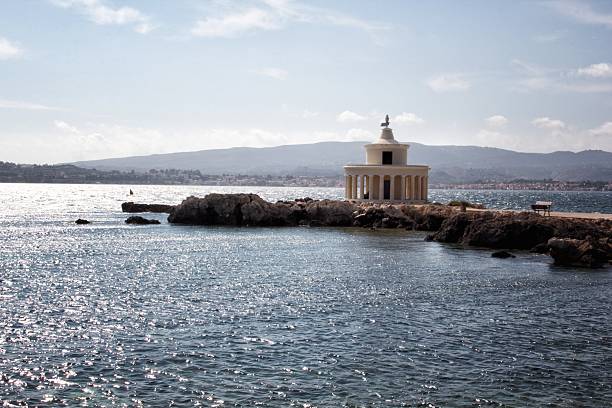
(109, 313)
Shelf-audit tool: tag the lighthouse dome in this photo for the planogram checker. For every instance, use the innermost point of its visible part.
(386, 137)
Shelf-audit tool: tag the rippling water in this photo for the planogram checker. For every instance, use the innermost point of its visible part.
(109, 313)
(566, 201)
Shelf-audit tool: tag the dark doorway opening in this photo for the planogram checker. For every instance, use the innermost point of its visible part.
(387, 192)
(387, 158)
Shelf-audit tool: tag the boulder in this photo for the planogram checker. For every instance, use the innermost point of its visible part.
(131, 207)
(331, 213)
(138, 220)
(541, 248)
(385, 216)
(502, 255)
(590, 252)
(427, 217)
(214, 209)
(452, 229)
(81, 221)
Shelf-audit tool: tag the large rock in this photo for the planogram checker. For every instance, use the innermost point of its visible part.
(214, 209)
(422, 218)
(131, 207)
(428, 217)
(250, 209)
(331, 212)
(591, 253)
(515, 230)
(453, 228)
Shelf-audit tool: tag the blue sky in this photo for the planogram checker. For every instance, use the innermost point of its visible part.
(86, 79)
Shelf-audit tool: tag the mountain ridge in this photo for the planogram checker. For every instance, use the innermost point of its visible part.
(448, 163)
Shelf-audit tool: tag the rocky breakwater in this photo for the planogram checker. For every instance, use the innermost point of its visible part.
(250, 209)
(570, 241)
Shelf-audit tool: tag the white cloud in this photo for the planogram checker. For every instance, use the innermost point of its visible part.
(276, 15)
(98, 12)
(581, 12)
(8, 49)
(6, 104)
(548, 123)
(348, 116)
(358, 135)
(496, 121)
(61, 125)
(494, 138)
(538, 78)
(603, 130)
(602, 70)
(232, 25)
(99, 140)
(448, 83)
(407, 117)
(352, 22)
(275, 73)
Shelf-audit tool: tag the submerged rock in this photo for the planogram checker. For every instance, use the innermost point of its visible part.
(590, 252)
(138, 220)
(81, 221)
(131, 207)
(502, 255)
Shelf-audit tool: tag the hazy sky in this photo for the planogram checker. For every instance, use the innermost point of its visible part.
(85, 79)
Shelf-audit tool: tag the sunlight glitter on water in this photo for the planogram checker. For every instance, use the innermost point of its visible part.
(109, 313)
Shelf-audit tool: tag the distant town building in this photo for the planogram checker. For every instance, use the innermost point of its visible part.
(386, 174)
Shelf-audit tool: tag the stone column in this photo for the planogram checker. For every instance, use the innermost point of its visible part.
(370, 187)
(415, 186)
(392, 188)
(361, 187)
(346, 186)
(381, 187)
(408, 187)
(425, 187)
(402, 188)
(354, 185)
(421, 188)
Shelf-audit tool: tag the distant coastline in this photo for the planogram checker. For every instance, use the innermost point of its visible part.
(70, 174)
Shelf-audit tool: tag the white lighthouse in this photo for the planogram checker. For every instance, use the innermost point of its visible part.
(386, 174)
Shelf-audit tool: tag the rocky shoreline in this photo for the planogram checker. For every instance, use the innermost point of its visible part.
(570, 241)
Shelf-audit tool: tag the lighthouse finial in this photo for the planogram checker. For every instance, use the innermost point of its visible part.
(386, 122)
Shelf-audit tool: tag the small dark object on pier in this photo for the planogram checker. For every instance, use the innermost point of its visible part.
(81, 221)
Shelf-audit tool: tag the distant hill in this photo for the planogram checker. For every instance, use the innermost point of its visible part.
(449, 164)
